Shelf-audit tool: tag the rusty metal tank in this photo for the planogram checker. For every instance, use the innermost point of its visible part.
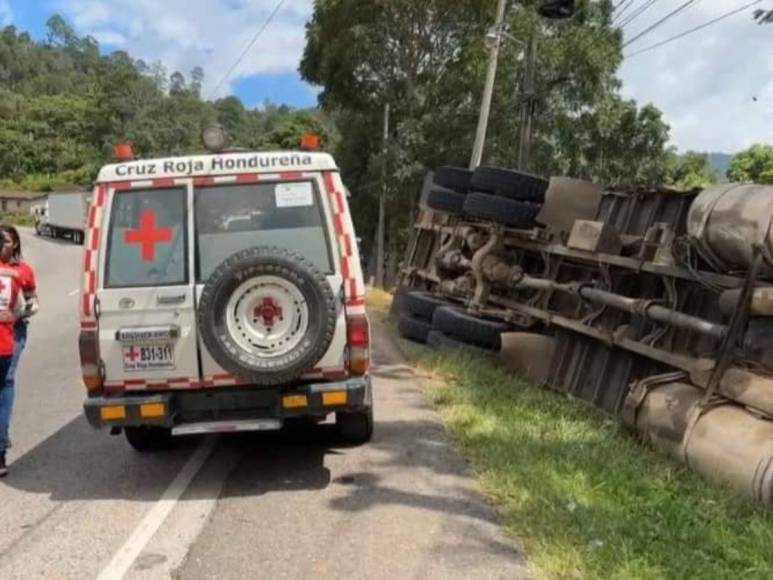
(725, 222)
(727, 443)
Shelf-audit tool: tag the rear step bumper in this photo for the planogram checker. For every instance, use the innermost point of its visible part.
(238, 409)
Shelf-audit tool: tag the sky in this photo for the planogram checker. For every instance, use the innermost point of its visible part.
(715, 87)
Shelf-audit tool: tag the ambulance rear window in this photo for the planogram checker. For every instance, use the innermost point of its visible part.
(231, 218)
(147, 239)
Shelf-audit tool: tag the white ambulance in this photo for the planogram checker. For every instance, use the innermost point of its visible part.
(223, 293)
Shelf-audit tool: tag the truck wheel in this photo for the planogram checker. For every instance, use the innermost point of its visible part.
(268, 315)
(148, 438)
(454, 178)
(421, 304)
(514, 185)
(515, 214)
(441, 341)
(413, 328)
(355, 428)
(445, 200)
(458, 324)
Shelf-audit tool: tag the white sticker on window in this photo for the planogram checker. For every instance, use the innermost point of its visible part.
(294, 195)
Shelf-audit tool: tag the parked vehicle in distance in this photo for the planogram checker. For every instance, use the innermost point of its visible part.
(63, 215)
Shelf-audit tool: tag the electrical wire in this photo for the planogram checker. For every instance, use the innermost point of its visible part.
(636, 13)
(252, 42)
(621, 8)
(696, 29)
(660, 22)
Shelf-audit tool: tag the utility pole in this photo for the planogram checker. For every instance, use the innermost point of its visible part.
(488, 90)
(380, 235)
(528, 105)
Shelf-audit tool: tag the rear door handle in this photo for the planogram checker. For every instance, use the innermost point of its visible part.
(167, 299)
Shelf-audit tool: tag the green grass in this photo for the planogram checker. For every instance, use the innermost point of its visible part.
(580, 494)
(17, 219)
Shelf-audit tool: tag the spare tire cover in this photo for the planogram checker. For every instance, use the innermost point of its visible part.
(268, 315)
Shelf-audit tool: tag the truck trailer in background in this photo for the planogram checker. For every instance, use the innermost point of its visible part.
(63, 215)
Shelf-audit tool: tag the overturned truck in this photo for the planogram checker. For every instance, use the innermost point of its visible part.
(655, 306)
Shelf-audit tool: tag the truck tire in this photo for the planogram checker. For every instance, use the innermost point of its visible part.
(454, 178)
(413, 328)
(514, 214)
(421, 304)
(147, 438)
(511, 184)
(268, 315)
(355, 428)
(445, 200)
(456, 323)
(441, 341)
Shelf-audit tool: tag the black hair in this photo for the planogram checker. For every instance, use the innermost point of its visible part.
(14, 233)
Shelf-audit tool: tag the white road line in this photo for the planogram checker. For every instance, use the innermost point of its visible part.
(128, 553)
(74, 292)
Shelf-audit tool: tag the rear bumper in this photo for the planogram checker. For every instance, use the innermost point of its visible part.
(239, 405)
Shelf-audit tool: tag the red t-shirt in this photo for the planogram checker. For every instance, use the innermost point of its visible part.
(10, 286)
(26, 275)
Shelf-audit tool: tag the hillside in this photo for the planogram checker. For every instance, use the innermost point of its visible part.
(721, 163)
(64, 104)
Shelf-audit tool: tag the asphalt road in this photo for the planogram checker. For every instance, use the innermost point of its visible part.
(81, 504)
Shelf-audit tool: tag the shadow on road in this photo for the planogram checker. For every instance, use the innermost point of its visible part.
(79, 463)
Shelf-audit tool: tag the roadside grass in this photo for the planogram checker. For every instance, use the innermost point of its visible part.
(581, 496)
(17, 219)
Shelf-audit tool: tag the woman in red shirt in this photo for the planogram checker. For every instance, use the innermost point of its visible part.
(10, 289)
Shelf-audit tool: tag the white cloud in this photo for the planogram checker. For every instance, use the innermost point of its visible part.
(187, 33)
(706, 82)
(6, 14)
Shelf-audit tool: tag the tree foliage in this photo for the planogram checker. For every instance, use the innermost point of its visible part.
(755, 164)
(427, 60)
(63, 104)
(690, 170)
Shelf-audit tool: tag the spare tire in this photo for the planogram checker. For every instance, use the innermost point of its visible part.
(268, 315)
(456, 323)
(445, 200)
(453, 178)
(510, 184)
(515, 214)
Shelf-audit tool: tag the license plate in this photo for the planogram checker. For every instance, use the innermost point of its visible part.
(155, 357)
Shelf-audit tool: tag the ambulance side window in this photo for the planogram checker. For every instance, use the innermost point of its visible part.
(147, 239)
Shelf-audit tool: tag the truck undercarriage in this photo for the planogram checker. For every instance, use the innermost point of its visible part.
(651, 305)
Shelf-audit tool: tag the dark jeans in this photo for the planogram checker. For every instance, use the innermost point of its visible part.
(8, 366)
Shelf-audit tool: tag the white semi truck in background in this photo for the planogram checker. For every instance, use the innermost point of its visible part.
(63, 215)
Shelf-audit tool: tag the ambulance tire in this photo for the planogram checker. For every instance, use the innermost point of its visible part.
(355, 428)
(145, 438)
(295, 271)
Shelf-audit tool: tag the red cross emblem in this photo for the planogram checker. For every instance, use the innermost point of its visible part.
(148, 236)
(2, 286)
(132, 354)
(268, 311)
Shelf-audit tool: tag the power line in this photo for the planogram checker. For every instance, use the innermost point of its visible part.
(636, 13)
(696, 29)
(660, 22)
(252, 42)
(621, 8)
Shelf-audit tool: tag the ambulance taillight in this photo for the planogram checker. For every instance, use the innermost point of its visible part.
(358, 341)
(88, 345)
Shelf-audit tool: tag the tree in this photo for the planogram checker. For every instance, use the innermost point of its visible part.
(753, 165)
(427, 59)
(690, 170)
